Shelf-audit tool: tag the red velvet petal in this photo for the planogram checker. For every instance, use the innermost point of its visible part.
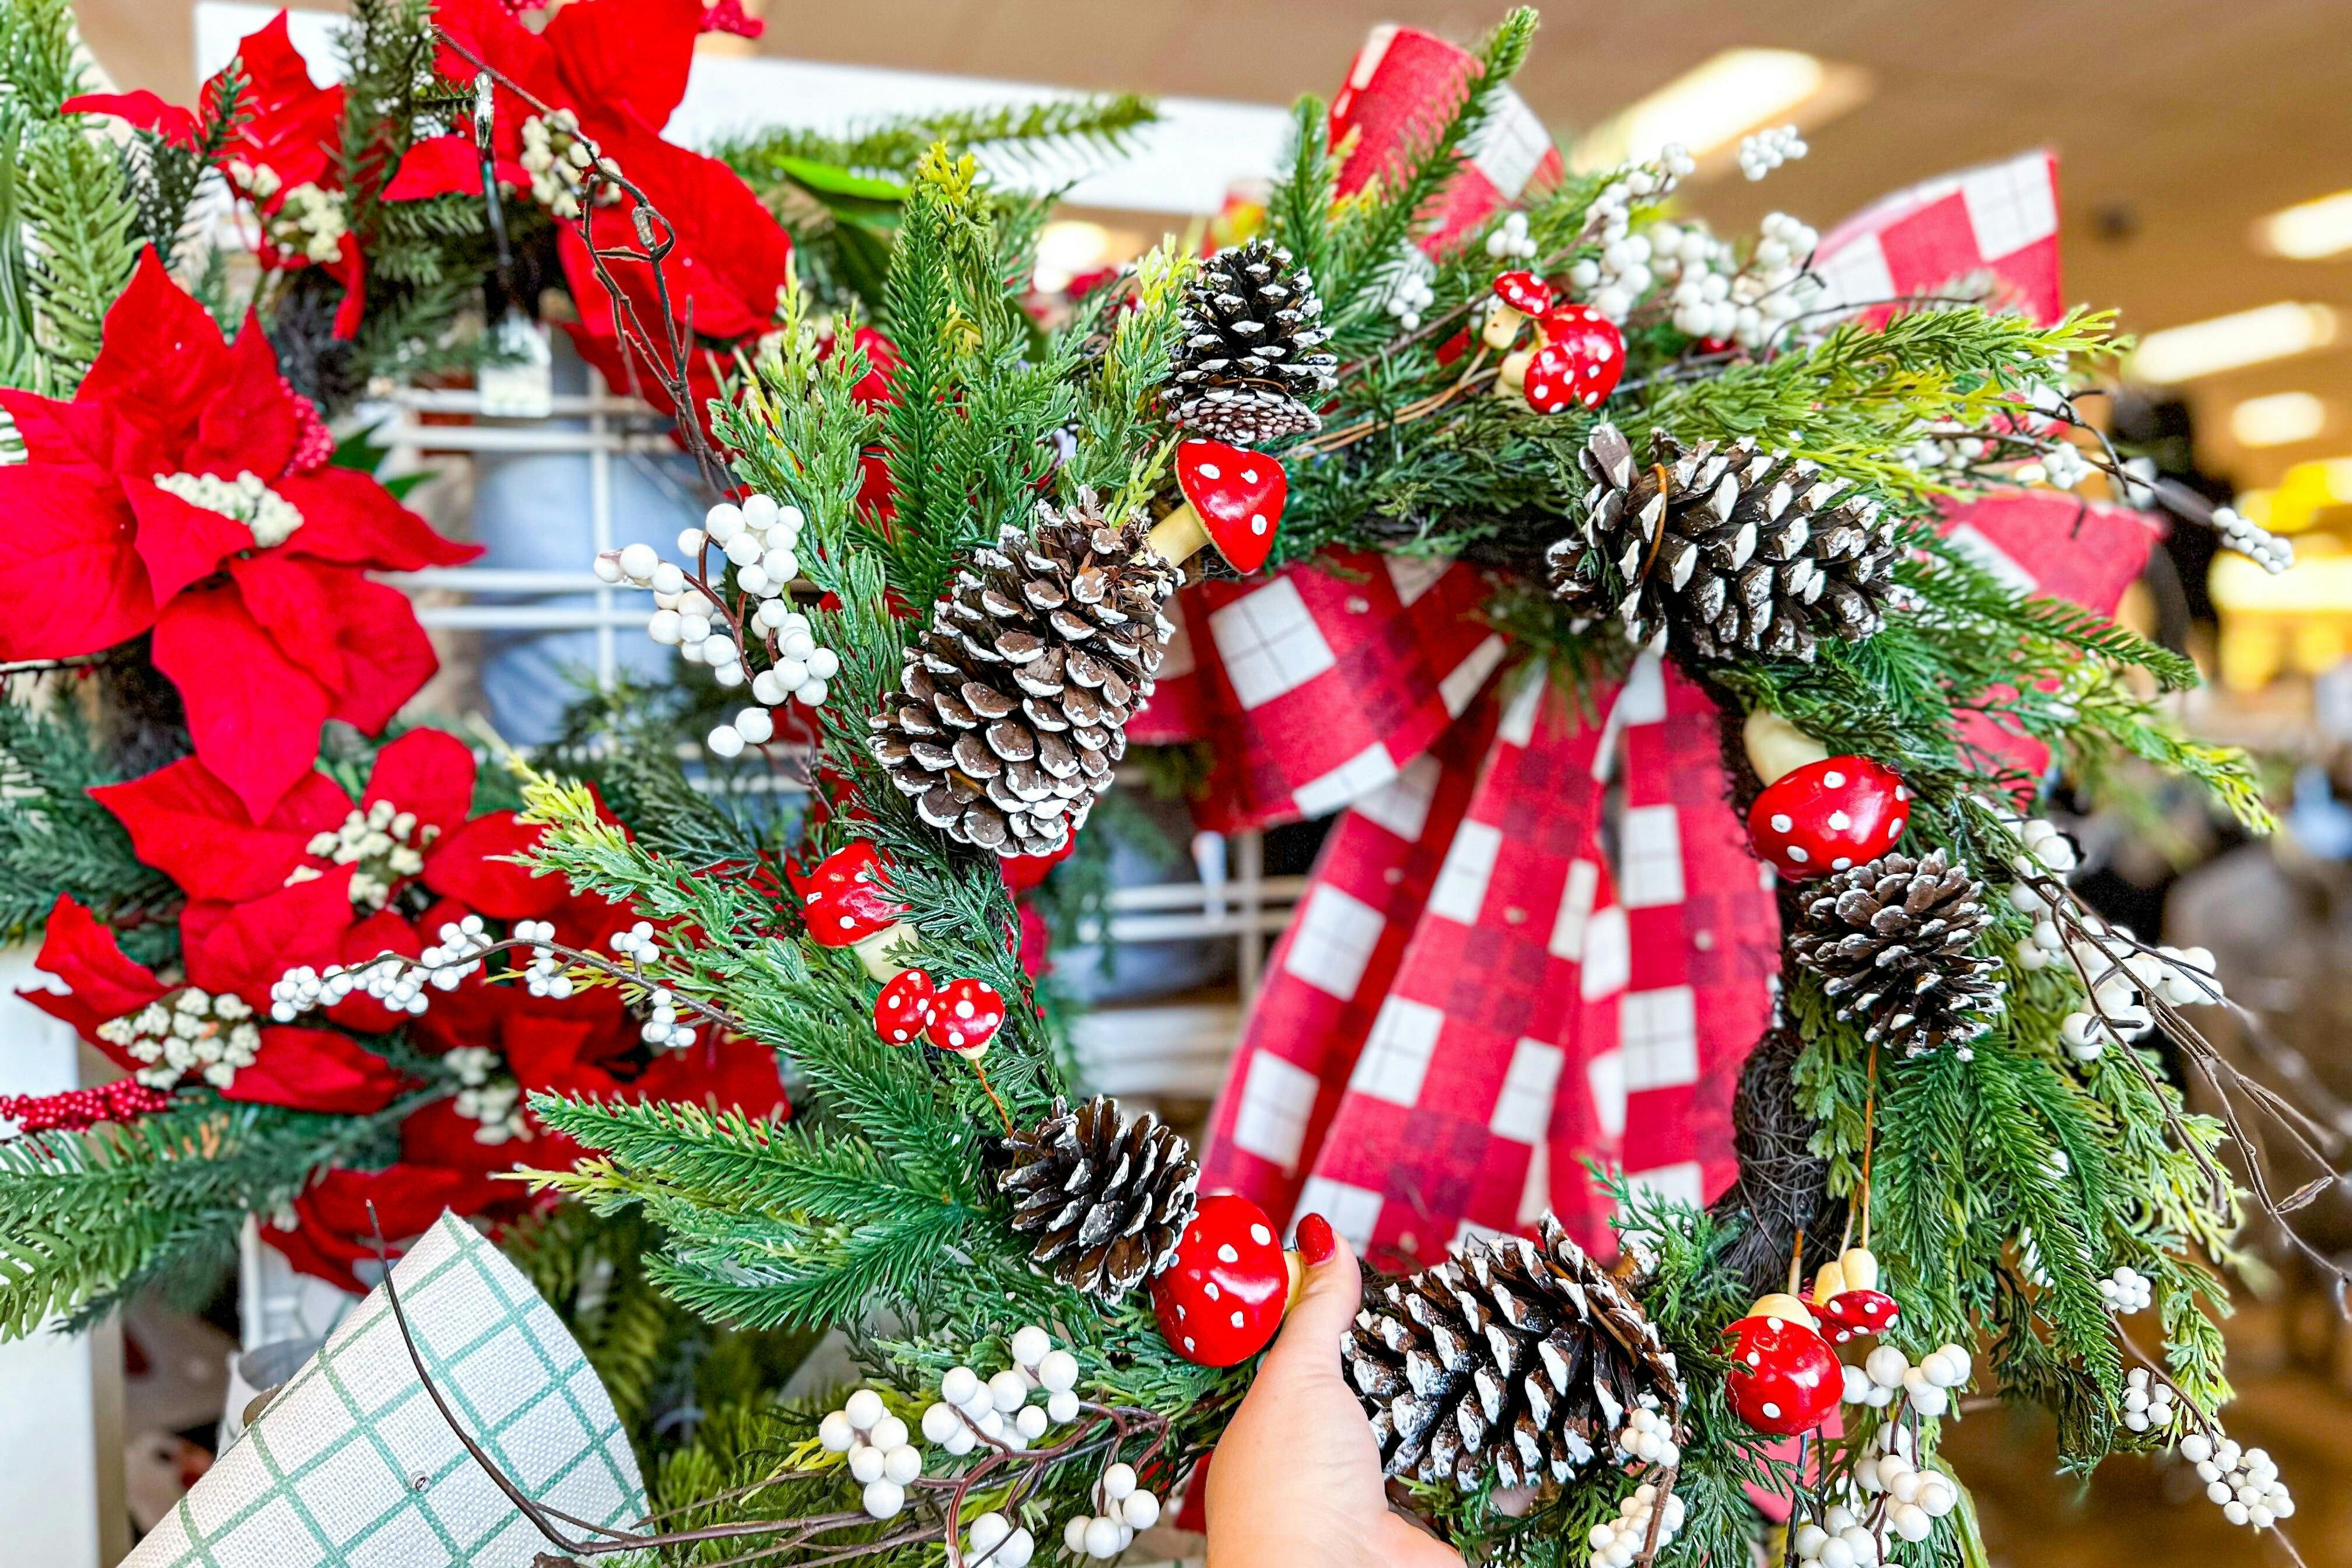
(349, 268)
(301, 607)
(437, 166)
(162, 359)
(253, 714)
(721, 1074)
(247, 947)
(82, 952)
(626, 55)
(429, 771)
(253, 423)
(141, 109)
(556, 1054)
(72, 581)
(290, 122)
(180, 542)
(387, 657)
(333, 1229)
(475, 864)
(315, 1069)
(58, 432)
(192, 828)
(351, 519)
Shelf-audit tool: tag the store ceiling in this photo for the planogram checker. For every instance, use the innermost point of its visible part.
(2178, 121)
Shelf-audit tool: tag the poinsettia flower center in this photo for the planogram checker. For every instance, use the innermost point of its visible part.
(187, 1031)
(558, 158)
(259, 182)
(310, 223)
(272, 518)
(383, 843)
(490, 1095)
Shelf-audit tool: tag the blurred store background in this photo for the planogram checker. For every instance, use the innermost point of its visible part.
(2205, 192)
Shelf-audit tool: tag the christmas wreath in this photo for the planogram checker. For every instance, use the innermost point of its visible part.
(1955, 1144)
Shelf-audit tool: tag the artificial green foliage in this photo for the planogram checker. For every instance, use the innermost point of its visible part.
(57, 842)
(90, 1219)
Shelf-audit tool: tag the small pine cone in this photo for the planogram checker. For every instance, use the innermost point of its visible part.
(1247, 369)
(1890, 941)
(1518, 1358)
(1107, 1196)
(1737, 550)
(1012, 709)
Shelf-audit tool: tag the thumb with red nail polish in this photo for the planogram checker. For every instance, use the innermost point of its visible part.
(1297, 1482)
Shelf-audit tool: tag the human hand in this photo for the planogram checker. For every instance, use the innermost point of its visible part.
(1297, 1479)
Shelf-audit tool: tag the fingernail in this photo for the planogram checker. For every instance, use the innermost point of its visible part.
(1314, 1239)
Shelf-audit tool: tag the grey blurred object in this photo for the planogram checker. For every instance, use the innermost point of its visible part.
(535, 512)
(255, 1375)
(1141, 969)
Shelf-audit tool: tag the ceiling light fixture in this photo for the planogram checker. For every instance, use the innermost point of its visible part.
(1710, 108)
(2281, 419)
(2308, 230)
(2228, 342)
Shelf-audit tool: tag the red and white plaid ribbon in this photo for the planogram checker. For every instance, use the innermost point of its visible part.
(1997, 224)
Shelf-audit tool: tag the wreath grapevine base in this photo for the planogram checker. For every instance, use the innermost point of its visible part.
(1960, 1159)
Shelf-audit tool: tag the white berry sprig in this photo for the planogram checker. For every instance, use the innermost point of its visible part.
(754, 637)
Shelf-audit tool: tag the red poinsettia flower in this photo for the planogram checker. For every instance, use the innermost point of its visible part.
(333, 1228)
(185, 491)
(214, 1029)
(612, 71)
(279, 156)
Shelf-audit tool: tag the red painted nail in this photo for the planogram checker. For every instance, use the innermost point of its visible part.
(1314, 1239)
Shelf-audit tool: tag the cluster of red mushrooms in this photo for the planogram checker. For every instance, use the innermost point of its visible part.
(1577, 354)
(1785, 1376)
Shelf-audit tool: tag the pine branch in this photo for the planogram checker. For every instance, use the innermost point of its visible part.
(1055, 132)
(55, 840)
(77, 200)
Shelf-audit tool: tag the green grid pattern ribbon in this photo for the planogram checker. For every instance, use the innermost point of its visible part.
(351, 1467)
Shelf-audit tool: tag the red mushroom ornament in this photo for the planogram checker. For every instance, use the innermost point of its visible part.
(1582, 356)
(847, 901)
(1847, 1299)
(1784, 1377)
(1828, 816)
(1221, 1298)
(1232, 499)
(965, 1015)
(1517, 296)
(905, 1008)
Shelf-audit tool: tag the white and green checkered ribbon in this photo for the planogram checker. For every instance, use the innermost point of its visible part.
(351, 1467)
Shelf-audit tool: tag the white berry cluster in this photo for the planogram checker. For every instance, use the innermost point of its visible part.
(1887, 1374)
(487, 1095)
(2253, 541)
(392, 979)
(1614, 282)
(543, 974)
(259, 181)
(997, 1542)
(663, 1029)
(1121, 1509)
(2147, 1404)
(2126, 1291)
(246, 499)
(1716, 296)
(637, 944)
(881, 1459)
(310, 223)
(1410, 292)
(1615, 1542)
(383, 845)
(1648, 1438)
(557, 158)
(1836, 1540)
(1510, 241)
(1916, 1495)
(2061, 466)
(997, 1408)
(192, 1031)
(760, 540)
(2244, 1481)
(1765, 151)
